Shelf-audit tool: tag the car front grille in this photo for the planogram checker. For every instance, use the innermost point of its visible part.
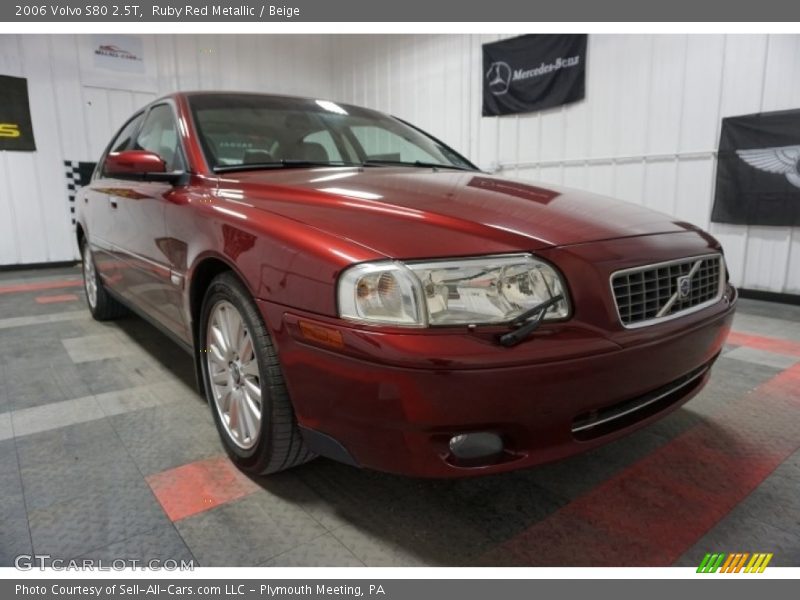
(653, 293)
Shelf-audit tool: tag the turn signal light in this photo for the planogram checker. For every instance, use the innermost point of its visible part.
(321, 334)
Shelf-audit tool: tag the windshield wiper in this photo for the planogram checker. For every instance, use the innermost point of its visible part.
(376, 162)
(534, 318)
(283, 164)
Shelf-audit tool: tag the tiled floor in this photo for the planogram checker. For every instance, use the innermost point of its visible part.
(107, 451)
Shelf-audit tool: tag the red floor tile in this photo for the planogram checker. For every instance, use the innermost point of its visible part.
(56, 299)
(761, 342)
(656, 509)
(200, 486)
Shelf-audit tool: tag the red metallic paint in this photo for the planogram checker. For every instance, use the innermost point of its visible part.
(392, 396)
(133, 162)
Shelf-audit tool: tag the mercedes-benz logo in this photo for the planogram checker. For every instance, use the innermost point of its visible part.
(684, 286)
(498, 78)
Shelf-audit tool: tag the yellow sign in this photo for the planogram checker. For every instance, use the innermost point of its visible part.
(9, 130)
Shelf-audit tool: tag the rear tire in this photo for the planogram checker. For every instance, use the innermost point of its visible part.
(102, 306)
(244, 384)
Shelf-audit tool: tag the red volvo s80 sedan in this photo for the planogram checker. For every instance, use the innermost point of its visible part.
(354, 288)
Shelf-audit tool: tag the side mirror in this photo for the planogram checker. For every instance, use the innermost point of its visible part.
(139, 164)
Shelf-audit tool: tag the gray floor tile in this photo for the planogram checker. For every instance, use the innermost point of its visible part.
(114, 374)
(163, 437)
(6, 430)
(776, 501)
(55, 415)
(78, 442)
(36, 347)
(127, 400)
(439, 522)
(59, 273)
(737, 533)
(39, 321)
(730, 379)
(96, 519)
(23, 305)
(3, 392)
(324, 551)
(63, 479)
(247, 532)
(9, 468)
(34, 385)
(768, 319)
(15, 537)
(97, 347)
(762, 357)
(161, 544)
(376, 551)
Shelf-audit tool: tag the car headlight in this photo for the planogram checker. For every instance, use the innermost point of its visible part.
(482, 290)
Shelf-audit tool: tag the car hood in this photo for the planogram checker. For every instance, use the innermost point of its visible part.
(417, 213)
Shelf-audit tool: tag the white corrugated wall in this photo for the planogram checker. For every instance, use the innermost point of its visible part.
(75, 112)
(646, 132)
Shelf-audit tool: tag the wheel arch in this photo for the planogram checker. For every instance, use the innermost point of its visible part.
(203, 272)
(80, 234)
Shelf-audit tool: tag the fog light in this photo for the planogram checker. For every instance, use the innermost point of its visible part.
(471, 446)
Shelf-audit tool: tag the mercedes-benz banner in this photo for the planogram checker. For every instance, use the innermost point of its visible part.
(533, 72)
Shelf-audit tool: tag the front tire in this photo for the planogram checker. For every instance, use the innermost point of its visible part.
(102, 306)
(243, 382)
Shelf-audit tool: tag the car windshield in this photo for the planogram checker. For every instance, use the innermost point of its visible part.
(249, 131)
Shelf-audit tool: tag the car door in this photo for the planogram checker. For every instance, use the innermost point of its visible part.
(140, 237)
(101, 210)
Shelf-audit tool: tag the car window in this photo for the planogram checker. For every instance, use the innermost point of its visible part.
(159, 134)
(236, 130)
(123, 139)
(325, 140)
(381, 144)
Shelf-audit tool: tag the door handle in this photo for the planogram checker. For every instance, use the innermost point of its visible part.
(112, 201)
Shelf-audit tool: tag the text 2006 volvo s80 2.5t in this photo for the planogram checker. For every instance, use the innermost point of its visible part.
(351, 287)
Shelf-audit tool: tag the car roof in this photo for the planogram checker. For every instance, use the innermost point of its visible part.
(190, 93)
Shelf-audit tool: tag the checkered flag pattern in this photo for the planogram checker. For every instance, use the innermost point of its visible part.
(77, 175)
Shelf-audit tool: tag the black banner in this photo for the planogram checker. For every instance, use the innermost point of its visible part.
(758, 172)
(16, 130)
(533, 72)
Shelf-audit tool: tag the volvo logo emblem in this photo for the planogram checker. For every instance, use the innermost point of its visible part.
(684, 286)
(498, 78)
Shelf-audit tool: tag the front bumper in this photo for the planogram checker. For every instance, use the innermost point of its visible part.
(391, 401)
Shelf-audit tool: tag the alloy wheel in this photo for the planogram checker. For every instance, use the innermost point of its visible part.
(89, 276)
(234, 375)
